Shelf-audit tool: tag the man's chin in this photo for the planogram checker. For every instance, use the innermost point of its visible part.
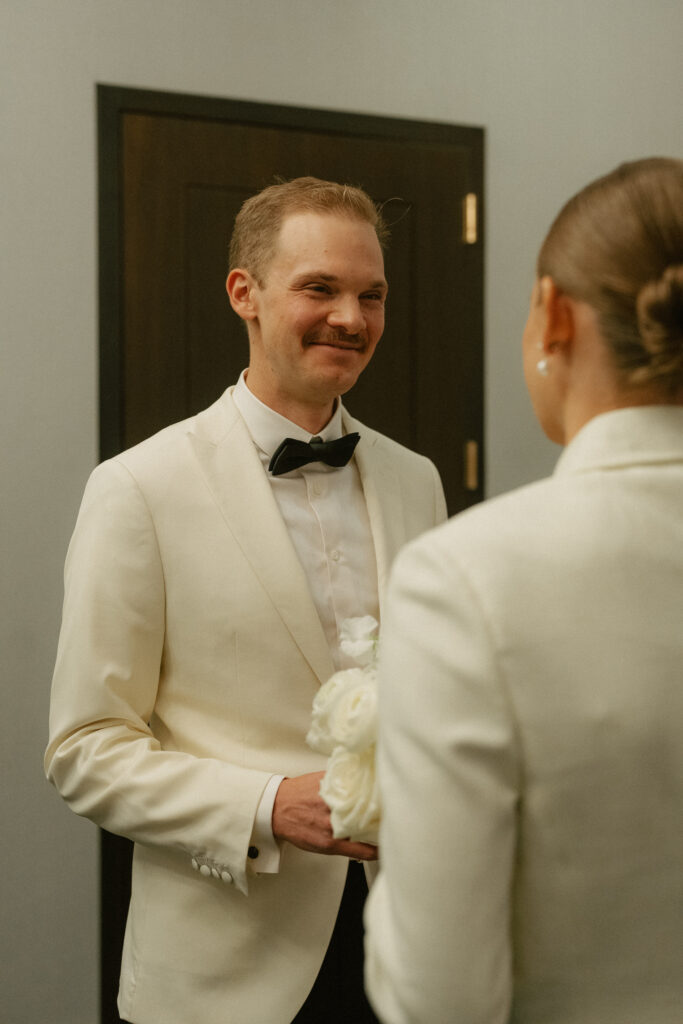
(336, 369)
(336, 380)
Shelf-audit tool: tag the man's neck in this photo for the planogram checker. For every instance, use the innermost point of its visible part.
(312, 418)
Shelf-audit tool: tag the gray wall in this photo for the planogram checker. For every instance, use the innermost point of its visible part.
(565, 90)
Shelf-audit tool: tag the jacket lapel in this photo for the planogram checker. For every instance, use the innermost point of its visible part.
(382, 489)
(235, 476)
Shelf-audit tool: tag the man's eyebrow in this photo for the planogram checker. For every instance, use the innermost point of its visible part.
(320, 275)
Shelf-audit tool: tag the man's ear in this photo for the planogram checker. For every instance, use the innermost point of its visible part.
(558, 313)
(240, 287)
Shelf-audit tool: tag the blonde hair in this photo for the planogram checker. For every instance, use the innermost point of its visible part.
(618, 245)
(258, 223)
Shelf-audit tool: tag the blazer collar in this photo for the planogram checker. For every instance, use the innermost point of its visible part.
(235, 476)
(638, 435)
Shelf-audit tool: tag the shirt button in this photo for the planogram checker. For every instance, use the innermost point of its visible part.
(317, 489)
(335, 555)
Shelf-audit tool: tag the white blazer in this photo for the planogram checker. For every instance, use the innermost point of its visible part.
(531, 749)
(188, 659)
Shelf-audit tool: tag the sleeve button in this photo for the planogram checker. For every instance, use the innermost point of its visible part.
(205, 870)
(226, 876)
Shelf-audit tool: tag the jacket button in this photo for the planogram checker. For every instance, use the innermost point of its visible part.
(252, 852)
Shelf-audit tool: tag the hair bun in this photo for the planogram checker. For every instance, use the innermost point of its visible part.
(660, 322)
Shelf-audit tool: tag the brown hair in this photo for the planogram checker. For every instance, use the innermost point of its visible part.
(258, 222)
(618, 245)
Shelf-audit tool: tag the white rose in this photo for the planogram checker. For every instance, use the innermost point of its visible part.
(349, 789)
(320, 736)
(352, 718)
(358, 638)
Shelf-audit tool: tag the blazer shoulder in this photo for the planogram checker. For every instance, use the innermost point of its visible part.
(168, 448)
(501, 515)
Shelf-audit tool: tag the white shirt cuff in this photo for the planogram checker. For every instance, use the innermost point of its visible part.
(264, 849)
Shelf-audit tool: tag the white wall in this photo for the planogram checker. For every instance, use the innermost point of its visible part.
(565, 91)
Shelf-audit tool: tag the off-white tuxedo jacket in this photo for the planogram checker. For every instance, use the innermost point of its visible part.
(531, 749)
(189, 656)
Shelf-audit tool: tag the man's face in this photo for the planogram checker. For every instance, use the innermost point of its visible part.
(316, 319)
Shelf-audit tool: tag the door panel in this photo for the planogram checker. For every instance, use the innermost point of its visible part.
(183, 181)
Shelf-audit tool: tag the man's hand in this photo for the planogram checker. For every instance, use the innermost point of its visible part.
(301, 817)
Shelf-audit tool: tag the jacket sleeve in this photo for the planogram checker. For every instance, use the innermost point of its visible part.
(102, 755)
(438, 917)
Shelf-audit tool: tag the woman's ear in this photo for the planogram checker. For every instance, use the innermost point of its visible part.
(240, 287)
(558, 329)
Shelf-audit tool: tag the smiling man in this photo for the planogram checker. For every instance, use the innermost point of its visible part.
(315, 320)
(207, 580)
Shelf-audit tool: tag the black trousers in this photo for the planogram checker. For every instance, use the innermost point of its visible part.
(338, 996)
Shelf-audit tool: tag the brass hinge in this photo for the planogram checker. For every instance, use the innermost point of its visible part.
(469, 219)
(471, 466)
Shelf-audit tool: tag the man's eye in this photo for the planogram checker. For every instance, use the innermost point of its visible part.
(319, 288)
(373, 297)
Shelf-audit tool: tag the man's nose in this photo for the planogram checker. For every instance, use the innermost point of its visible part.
(347, 315)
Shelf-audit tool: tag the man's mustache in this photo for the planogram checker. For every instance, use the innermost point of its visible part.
(341, 338)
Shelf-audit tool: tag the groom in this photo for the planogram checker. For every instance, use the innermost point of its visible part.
(209, 573)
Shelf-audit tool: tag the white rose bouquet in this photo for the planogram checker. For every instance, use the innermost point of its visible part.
(344, 726)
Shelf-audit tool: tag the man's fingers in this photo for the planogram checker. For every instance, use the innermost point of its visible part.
(301, 817)
(356, 851)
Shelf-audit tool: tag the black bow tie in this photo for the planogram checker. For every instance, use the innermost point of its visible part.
(292, 454)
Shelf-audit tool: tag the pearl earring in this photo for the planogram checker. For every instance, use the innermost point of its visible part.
(542, 367)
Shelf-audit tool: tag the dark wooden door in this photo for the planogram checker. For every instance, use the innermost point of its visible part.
(174, 170)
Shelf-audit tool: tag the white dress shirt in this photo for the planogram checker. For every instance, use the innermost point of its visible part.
(325, 513)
